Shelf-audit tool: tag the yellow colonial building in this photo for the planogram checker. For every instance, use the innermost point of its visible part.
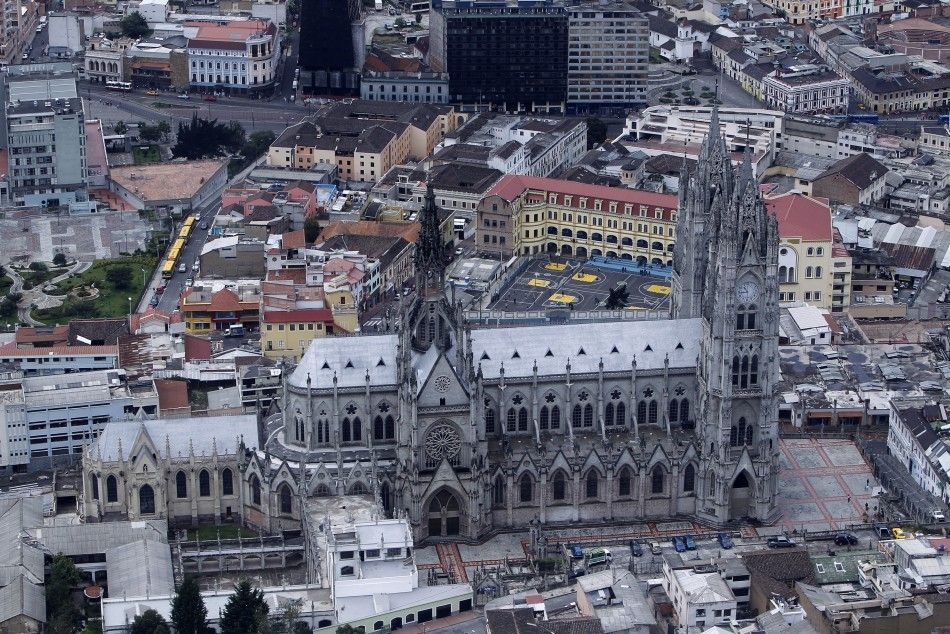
(527, 214)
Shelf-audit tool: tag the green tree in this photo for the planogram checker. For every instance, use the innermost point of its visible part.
(311, 229)
(150, 133)
(244, 610)
(134, 25)
(205, 138)
(62, 614)
(346, 629)
(59, 259)
(301, 627)
(120, 276)
(189, 614)
(596, 132)
(149, 622)
(165, 129)
(8, 308)
(39, 267)
(120, 127)
(257, 144)
(617, 298)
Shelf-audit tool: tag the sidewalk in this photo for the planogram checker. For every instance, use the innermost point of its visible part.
(440, 624)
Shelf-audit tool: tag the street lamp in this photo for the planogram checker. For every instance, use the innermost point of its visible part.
(130, 307)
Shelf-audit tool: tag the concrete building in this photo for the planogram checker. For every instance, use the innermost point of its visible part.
(105, 58)
(167, 187)
(806, 88)
(917, 440)
(524, 215)
(45, 134)
(701, 599)
(19, 24)
(856, 180)
(239, 57)
(52, 417)
(608, 52)
(390, 75)
(231, 257)
(813, 267)
(216, 305)
(60, 359)
(288, 333)
(514, 144)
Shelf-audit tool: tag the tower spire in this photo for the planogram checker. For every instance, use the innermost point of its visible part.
(430, 259)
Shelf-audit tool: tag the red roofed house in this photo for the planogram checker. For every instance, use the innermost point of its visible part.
(813, 266)
(288, 333)
(530, 214)
(204, 309)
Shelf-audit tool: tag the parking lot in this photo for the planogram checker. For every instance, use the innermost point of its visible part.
(576, 284)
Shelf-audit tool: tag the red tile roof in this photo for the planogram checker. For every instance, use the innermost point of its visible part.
(224, 300)
(301, 315)
(295, 275)
(10, 349)
(511, 187)
(196, 348)
(801, 216)
(29, 334)
(294, 239)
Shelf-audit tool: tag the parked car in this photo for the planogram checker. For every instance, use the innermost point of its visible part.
(159, 290)
(154, 301)
(636, 549)
(724, 540)
(655, 548)
(576, 552)
(898, 533)
(599, 556)
(846, 539)
(152, 93)
(203, 225)
(780, 542)
(690, 542)
(679, 544)
(210, 98)
(184, 95)
(883, 532)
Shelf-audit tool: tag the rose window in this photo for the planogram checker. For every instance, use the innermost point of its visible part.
(442, 441)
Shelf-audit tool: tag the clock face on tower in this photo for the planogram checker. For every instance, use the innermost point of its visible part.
(747, 290)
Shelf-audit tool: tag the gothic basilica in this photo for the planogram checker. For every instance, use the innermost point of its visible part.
(467, 431)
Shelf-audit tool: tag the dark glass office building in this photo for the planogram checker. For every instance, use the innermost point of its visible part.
(331, 44)
(514, 57)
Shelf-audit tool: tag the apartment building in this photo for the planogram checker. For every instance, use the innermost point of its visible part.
(856, 180)
(813, 267)
(105, 58)
(19, 26)
(288, 333)
(900, 91)
(396, 75)
(239, 56)
(801, 11)
(215, 306)
(608, 54)
(525, 215)
(806, 88)
(700, 599)
(47, 418)
(46, 135)
(60, 359)
(508, 55)
(916, 439)
(363, 139)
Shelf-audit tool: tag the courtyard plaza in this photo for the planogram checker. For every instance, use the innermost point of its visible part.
(581, 286)
(824, 485)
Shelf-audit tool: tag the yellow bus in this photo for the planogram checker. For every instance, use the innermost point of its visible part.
(179, 245)
(168, 269)
(189, 221)
(183, 234)
(173, 254)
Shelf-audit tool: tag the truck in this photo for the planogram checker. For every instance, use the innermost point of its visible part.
(379, 5)
(599, 556)
(235, 331)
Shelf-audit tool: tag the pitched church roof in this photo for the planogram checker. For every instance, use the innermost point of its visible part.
(203, 435)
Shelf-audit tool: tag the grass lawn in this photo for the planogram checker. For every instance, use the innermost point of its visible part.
(210, 532)
(143, 154)
(181, 104)
(38, 278)
(111, 302)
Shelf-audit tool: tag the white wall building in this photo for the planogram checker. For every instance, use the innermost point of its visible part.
(238, 56)
(806, 88)
(924, 452)
(154, 11)
(700, 599)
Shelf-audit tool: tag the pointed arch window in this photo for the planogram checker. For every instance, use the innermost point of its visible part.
(657, 478)
(711, 484)
(689, 479)
(754, 370)
(323, 431)
(204, 483)
(684, 410)
(741, 433)
(181, 484)
(674, 410)
(555, 417)
(112, 489)
(94, 483)
(642, 412)
(620, 414)
(559, 486)
(652, 412)
(498, 491)
(544, 418)
(592, 485)
(525, 488)
(609, 415)
(255, 490)
(286, 499)
(489, 420)
(576, 415)
(624, 481)
(588, 415)
(227, 482)
(512, 420)
(523, 419)
(431, 334)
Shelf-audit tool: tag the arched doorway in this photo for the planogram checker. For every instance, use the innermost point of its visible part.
(445, 516)
(386, 497)
(146, 500)
(581, 252)
(566, 249)
(740, 496)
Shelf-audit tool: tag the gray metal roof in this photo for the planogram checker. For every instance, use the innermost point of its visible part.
(140, 569)
(93, 539)
(180, 437)
(22, 598)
